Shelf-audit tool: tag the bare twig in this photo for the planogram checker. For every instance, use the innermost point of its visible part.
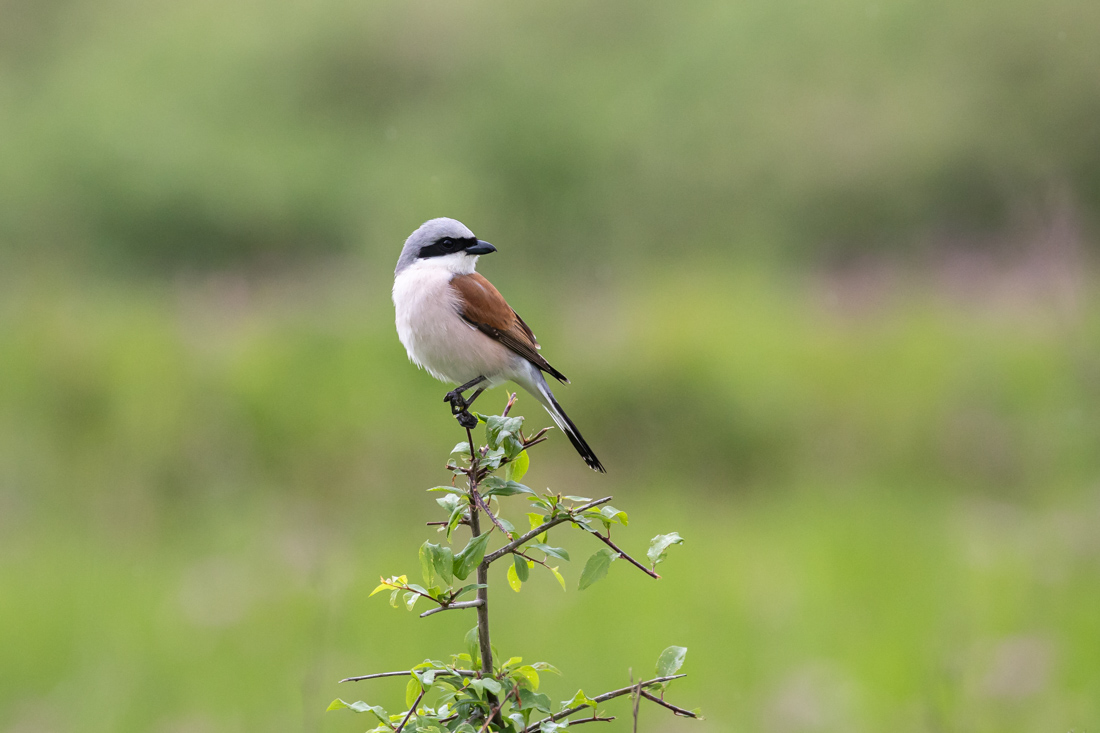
(378, 675)
(452, 607)
(411, 711)
(465, 522)
(485, 508)
(607, 541)
(407, 672)
(600, 698)
(679, 711)
(637, 699)
(528, 536)
(578, 721)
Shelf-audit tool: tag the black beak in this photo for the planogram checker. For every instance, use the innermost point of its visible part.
(481, 248)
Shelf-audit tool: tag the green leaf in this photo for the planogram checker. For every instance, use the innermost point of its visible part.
(531, 700)
(472, 646)
(393, 597)
(558, 576)
(528, 674)
(596, 567)
(492, 458)
(411, 599)
(612, 514)
(516, 470)
(463, 448)
(427, 569)
(466, 589)
(660, 544)
(361, 707)
(449, 501)
(457, 515)
(578, 499)
(671, 660)
(486, 684)
(536, 519)
(448, 489)
(521, 566)
(547, 667)
(443, 562)
(499, 487)
(513, 579)
(498, 428)
(470, 556)
(555, 551)
(412, 692)
(579, 699)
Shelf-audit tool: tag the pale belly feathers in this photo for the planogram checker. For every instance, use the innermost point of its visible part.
(435, 336)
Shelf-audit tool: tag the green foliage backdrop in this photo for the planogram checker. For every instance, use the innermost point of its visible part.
(822, 276)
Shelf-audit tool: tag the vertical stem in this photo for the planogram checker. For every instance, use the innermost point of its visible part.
(482, 571)
(484, 644)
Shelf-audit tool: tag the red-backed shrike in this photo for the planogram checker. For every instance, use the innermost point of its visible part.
(455, 324)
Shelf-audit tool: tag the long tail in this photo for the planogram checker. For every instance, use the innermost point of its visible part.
(546, 397)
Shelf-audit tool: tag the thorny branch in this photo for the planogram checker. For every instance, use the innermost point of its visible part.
(607, 541)
(475, 473)
(600, 698)
(679, 711)
(528, 536)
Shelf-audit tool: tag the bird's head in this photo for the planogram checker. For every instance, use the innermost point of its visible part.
(445, 243)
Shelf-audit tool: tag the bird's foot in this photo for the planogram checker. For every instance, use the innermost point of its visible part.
(458, 402)
(466, 420)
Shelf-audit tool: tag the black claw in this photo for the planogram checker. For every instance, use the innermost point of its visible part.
(460, 404)
(466, 420)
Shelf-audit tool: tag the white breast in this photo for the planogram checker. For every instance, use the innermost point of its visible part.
(435, 336)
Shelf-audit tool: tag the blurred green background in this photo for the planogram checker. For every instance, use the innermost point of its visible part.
(823, 275)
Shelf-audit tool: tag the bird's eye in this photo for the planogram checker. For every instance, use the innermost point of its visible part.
(447, 243)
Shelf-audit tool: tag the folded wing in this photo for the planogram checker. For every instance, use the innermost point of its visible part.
(485, 309)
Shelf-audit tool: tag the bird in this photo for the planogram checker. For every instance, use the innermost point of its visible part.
(457, 326)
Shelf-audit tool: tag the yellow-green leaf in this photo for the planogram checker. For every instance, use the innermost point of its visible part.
(412, 692)
(515, 470)
(513, 579)
(558, 576)
(530, 674)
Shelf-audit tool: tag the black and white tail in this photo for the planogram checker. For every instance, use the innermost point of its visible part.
(546, 397)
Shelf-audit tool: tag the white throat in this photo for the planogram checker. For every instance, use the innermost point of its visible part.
(457, 263)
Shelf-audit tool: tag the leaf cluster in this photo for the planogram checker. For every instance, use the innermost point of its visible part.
(464, 701)
(469, 694)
